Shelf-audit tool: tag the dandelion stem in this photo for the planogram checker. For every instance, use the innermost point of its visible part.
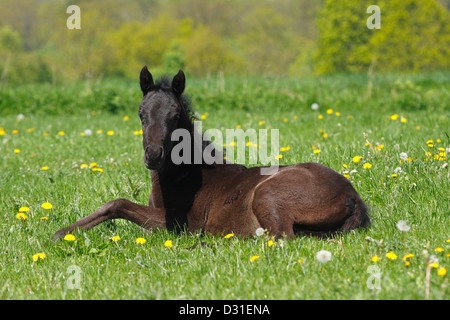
(427, 280)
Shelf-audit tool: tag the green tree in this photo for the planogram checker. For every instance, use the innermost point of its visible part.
(206, 52)
(343, 37)
(414, 36)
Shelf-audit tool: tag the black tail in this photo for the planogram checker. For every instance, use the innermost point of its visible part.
(359, 216)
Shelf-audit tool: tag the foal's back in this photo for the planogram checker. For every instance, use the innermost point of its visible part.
(306, 197)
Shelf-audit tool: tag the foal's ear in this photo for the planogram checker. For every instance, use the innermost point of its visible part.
(146, 81)
(178, 83)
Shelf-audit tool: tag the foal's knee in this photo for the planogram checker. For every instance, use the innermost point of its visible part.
(113, 209)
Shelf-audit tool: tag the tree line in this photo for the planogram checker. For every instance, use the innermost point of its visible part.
(206, 37)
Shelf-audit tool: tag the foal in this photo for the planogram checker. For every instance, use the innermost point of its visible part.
(225, 198)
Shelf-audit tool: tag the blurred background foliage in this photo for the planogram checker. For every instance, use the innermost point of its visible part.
(229, 37)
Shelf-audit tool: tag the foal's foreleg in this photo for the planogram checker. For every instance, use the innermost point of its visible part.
(145, 216)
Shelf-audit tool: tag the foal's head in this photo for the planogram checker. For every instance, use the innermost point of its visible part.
(162, 110)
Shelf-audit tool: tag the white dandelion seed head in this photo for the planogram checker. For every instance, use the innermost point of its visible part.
(402, 225)
(403, 155)
(259, 232)
(20, 117)
(398, 170)
(88, 132)
(433, 259)
(444, 166)
(323, 256)
(396, 146)
(315, 106)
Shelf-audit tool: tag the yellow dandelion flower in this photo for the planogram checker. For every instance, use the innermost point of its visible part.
(110, 133)
(325, 135)
(442, 271)
(391, 256)
(367, 166)
(16, 150)
(84, 166)
(69, 237)
(286, 120)
(228, 236)
(320, 117)
(270, 243)
(439, 249)
(316, 151)
(168, 244)
(254, 258)
(403, 120)
(45, 168)
(394, 117)
(407, 263)
(429, 141)
(375, 258)
(408, 256)
(44, 218)
(93, 165)
(329, 111)
(38, 256)
(279, 156)
(115, 238)
(141, 240)
(261, 123)
(21, 216)
(434, 265)
(136, 133)
(47, 205)
(24, 209)
(338, 114)
(15, 131)
(99, 131)
(2, 132)
(430, 145)
(356, 159)
(301, 261)
(126, 118)
(97, 169)
(61, 133)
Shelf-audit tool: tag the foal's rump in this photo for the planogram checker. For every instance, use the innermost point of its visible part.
(308, 198)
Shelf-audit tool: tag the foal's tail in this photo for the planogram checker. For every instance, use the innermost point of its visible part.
(358, 215)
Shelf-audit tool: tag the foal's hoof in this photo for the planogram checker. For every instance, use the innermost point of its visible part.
(61, 233)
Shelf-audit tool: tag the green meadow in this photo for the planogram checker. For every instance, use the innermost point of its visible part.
(76, 146)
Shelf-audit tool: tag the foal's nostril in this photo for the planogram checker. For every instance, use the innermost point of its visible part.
(153, 153)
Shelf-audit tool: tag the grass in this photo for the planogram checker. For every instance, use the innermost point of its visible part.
(221, 268)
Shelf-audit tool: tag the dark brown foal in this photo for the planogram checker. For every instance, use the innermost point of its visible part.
(223, 198)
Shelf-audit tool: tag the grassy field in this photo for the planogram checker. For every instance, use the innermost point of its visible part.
(397, 126)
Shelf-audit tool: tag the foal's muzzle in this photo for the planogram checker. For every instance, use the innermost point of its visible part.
(154, 156)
